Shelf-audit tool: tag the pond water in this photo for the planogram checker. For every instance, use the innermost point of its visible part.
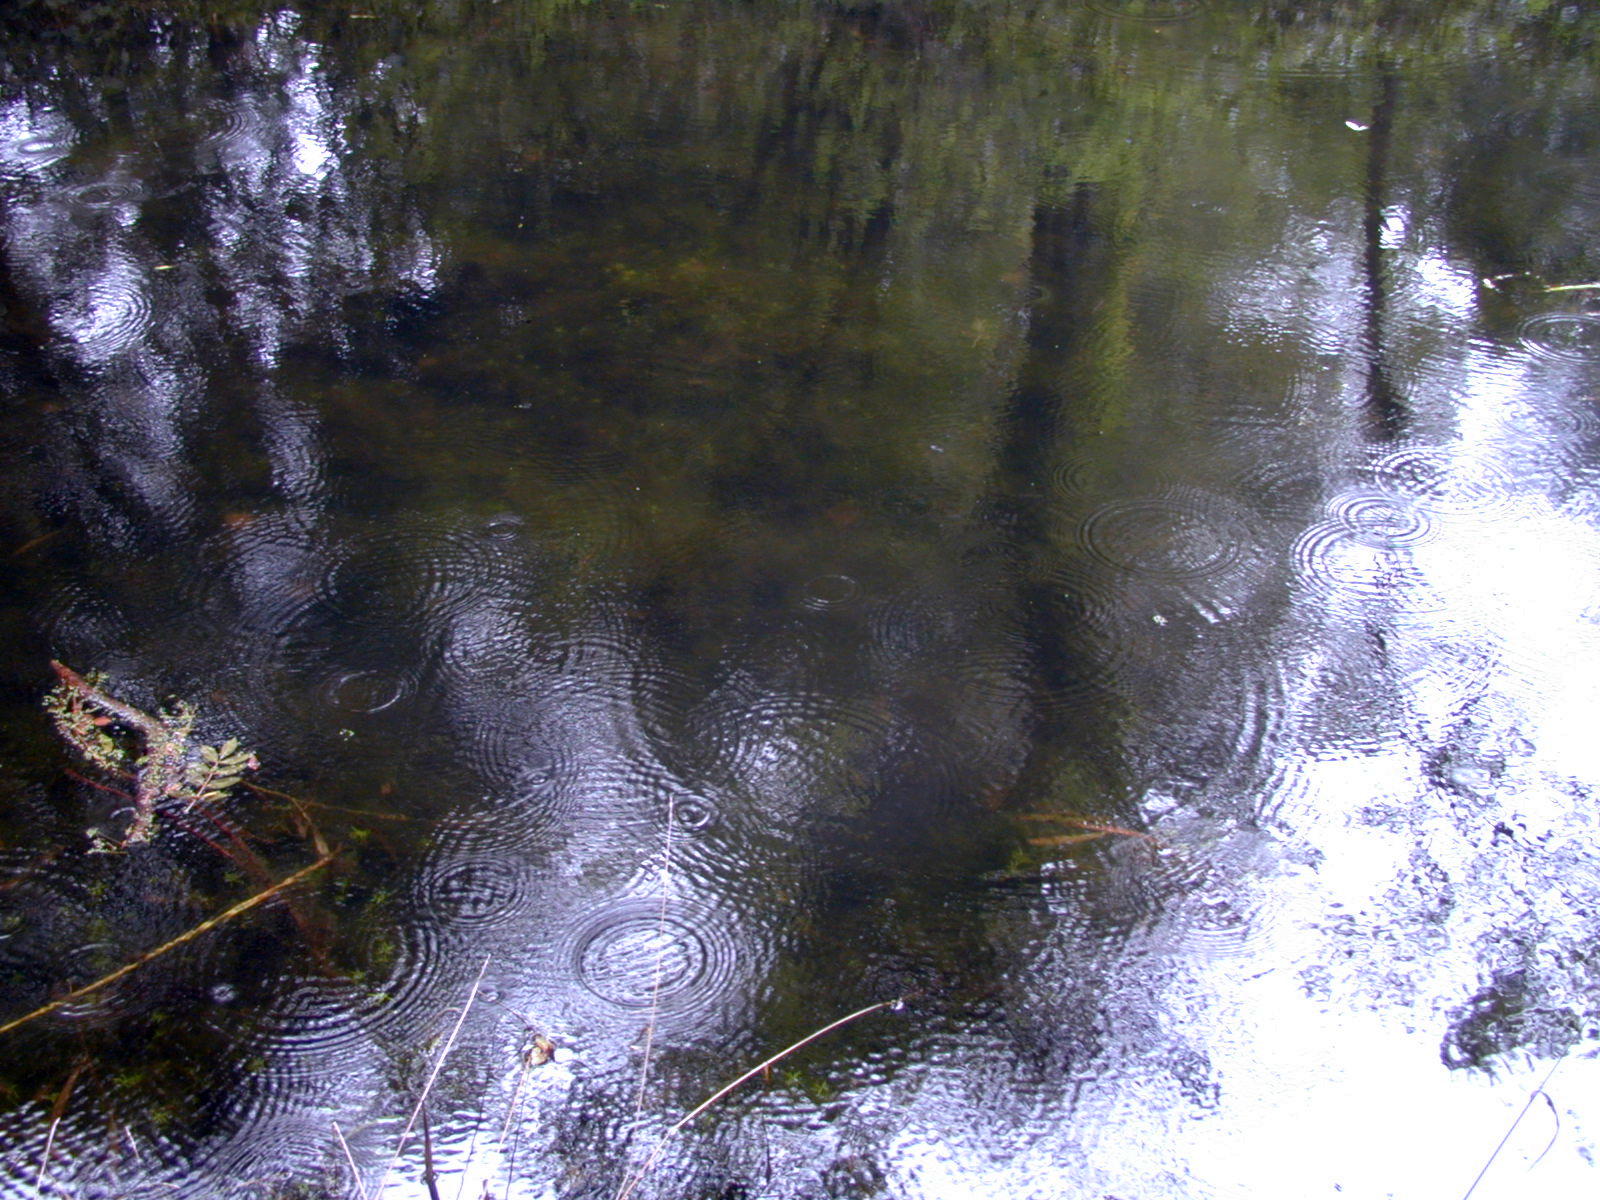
(1070, 528)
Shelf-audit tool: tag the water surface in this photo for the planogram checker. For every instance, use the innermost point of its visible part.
(1072, 528)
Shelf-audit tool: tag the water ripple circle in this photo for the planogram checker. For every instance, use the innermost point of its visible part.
(108, 316)
(226, 124)
(1095, 639)
(818, 735)
(829, 591)
(278, 1154)
(357, 692)
(425, 574)
(532, 784)
(108, 193)
(636, 954)
(1445, 480)
(476, 891)
(693, 813)
(1571, 337)
(1279, 491)
(1175, 535)
(1380, 519)
(325, 1026)
(38, 149)
(1332, 559)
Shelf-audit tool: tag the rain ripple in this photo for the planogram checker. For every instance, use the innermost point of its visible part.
(829, 591)
(107, 194)
(676, 958)
(468, 893)
(1445, 480)
(1335, 561)
(276, 1155)
(226, 125)
(532, 775)
(1568, 337)
(818, 735)
(1281, 492)
(422, 576)
(361, 692)
(38, 146)
(1176, 535)
(1380, 519)
(1093, 622)
(1184, 890)
(111, 314)
(262, 572)
(322, 1028)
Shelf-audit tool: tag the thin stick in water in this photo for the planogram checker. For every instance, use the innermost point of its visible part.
(355, 1175)
(204, 927)
(58, 1110)
(1537, 1092)
(438, 1065)
(638, 1177)
(428, 1173)
(661, 957)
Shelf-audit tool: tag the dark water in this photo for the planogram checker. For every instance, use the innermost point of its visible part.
(1077, 520)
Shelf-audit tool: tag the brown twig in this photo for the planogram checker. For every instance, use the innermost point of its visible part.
(102, 787)
(57, 1111)
(150, 728)
(1081, 823)
(301, 802)
(204, 927)
(428, 1174)
(34, 543)
(163, 757)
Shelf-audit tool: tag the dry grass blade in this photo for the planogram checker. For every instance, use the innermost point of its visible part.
(661, 956)
(638, 1177)
(205, 926)
(57, 1111)
(1533, 1096)
(35, 543)
(427, 1088)
(355, 1175)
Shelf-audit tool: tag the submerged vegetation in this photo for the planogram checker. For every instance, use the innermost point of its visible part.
(154, 752)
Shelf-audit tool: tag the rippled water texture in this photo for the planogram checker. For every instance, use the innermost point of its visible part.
(1065, 534)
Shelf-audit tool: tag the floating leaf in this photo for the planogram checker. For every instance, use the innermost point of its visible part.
(540, 1052)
